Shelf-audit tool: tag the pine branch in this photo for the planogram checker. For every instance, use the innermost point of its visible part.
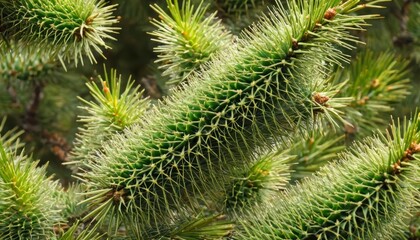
(199, 227)
(262, 88)
(187, 39)
(268, 175)
(238, 15)
(357, 197)
(112, 112)
(29, 208)
(377, 81)
(73, 234)
(69, 29)
(313, 151)
(231, 6)
(20, 62)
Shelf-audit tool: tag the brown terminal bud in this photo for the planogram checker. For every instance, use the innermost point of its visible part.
(105, 88)
(330, 13)
(375, 83)
(320, 98)
(295, 44)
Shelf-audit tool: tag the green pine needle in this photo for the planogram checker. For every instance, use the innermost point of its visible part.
(20, 62)
(237, 7)
(188, 39)
(376, 82)
(29, 207)
(201, 227)
(357, 197)
(250, 95)
(114, 108)
(69, 29)
(314, 151)
(266, 177)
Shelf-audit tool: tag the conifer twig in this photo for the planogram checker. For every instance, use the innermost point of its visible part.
(187, 148)
(365, 195)
(69, 29)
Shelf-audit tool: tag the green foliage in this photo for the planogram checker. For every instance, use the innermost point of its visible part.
(375, 86)
(19, 62)
(232, 153)
(188, 39)
(232, 6)
(73, 234)
(352, 198)
(29, 207)
(376, 82)
(201, 227)
(237, 16)
(266, 177)
(187, 147)
(313, 151)
(68, 29)
(112, 112)
(413, 31)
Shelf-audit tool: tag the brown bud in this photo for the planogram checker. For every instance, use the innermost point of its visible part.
(415, 147)
(295, 44)
(105, 87)
(320, 98)
(330, 13)
(375, 83)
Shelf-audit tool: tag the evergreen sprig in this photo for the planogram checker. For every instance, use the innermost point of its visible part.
(200, 227)
(69, 29)
(313, 151)
(264, 87)
(187, 37)
(21, 62)
(112, 111)
(29, 207)
(376, 82)
(356, 197)
(268, 175)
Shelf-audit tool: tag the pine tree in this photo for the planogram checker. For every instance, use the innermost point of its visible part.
(246, 119)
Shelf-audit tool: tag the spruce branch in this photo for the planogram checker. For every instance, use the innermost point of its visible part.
(253, 93)
(69, 29)
(357, 197)
(187, 37)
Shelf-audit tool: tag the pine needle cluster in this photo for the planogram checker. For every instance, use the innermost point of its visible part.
(68, 29)
(254, 140)
(29, 206)
(260, 88)
(356, 197)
